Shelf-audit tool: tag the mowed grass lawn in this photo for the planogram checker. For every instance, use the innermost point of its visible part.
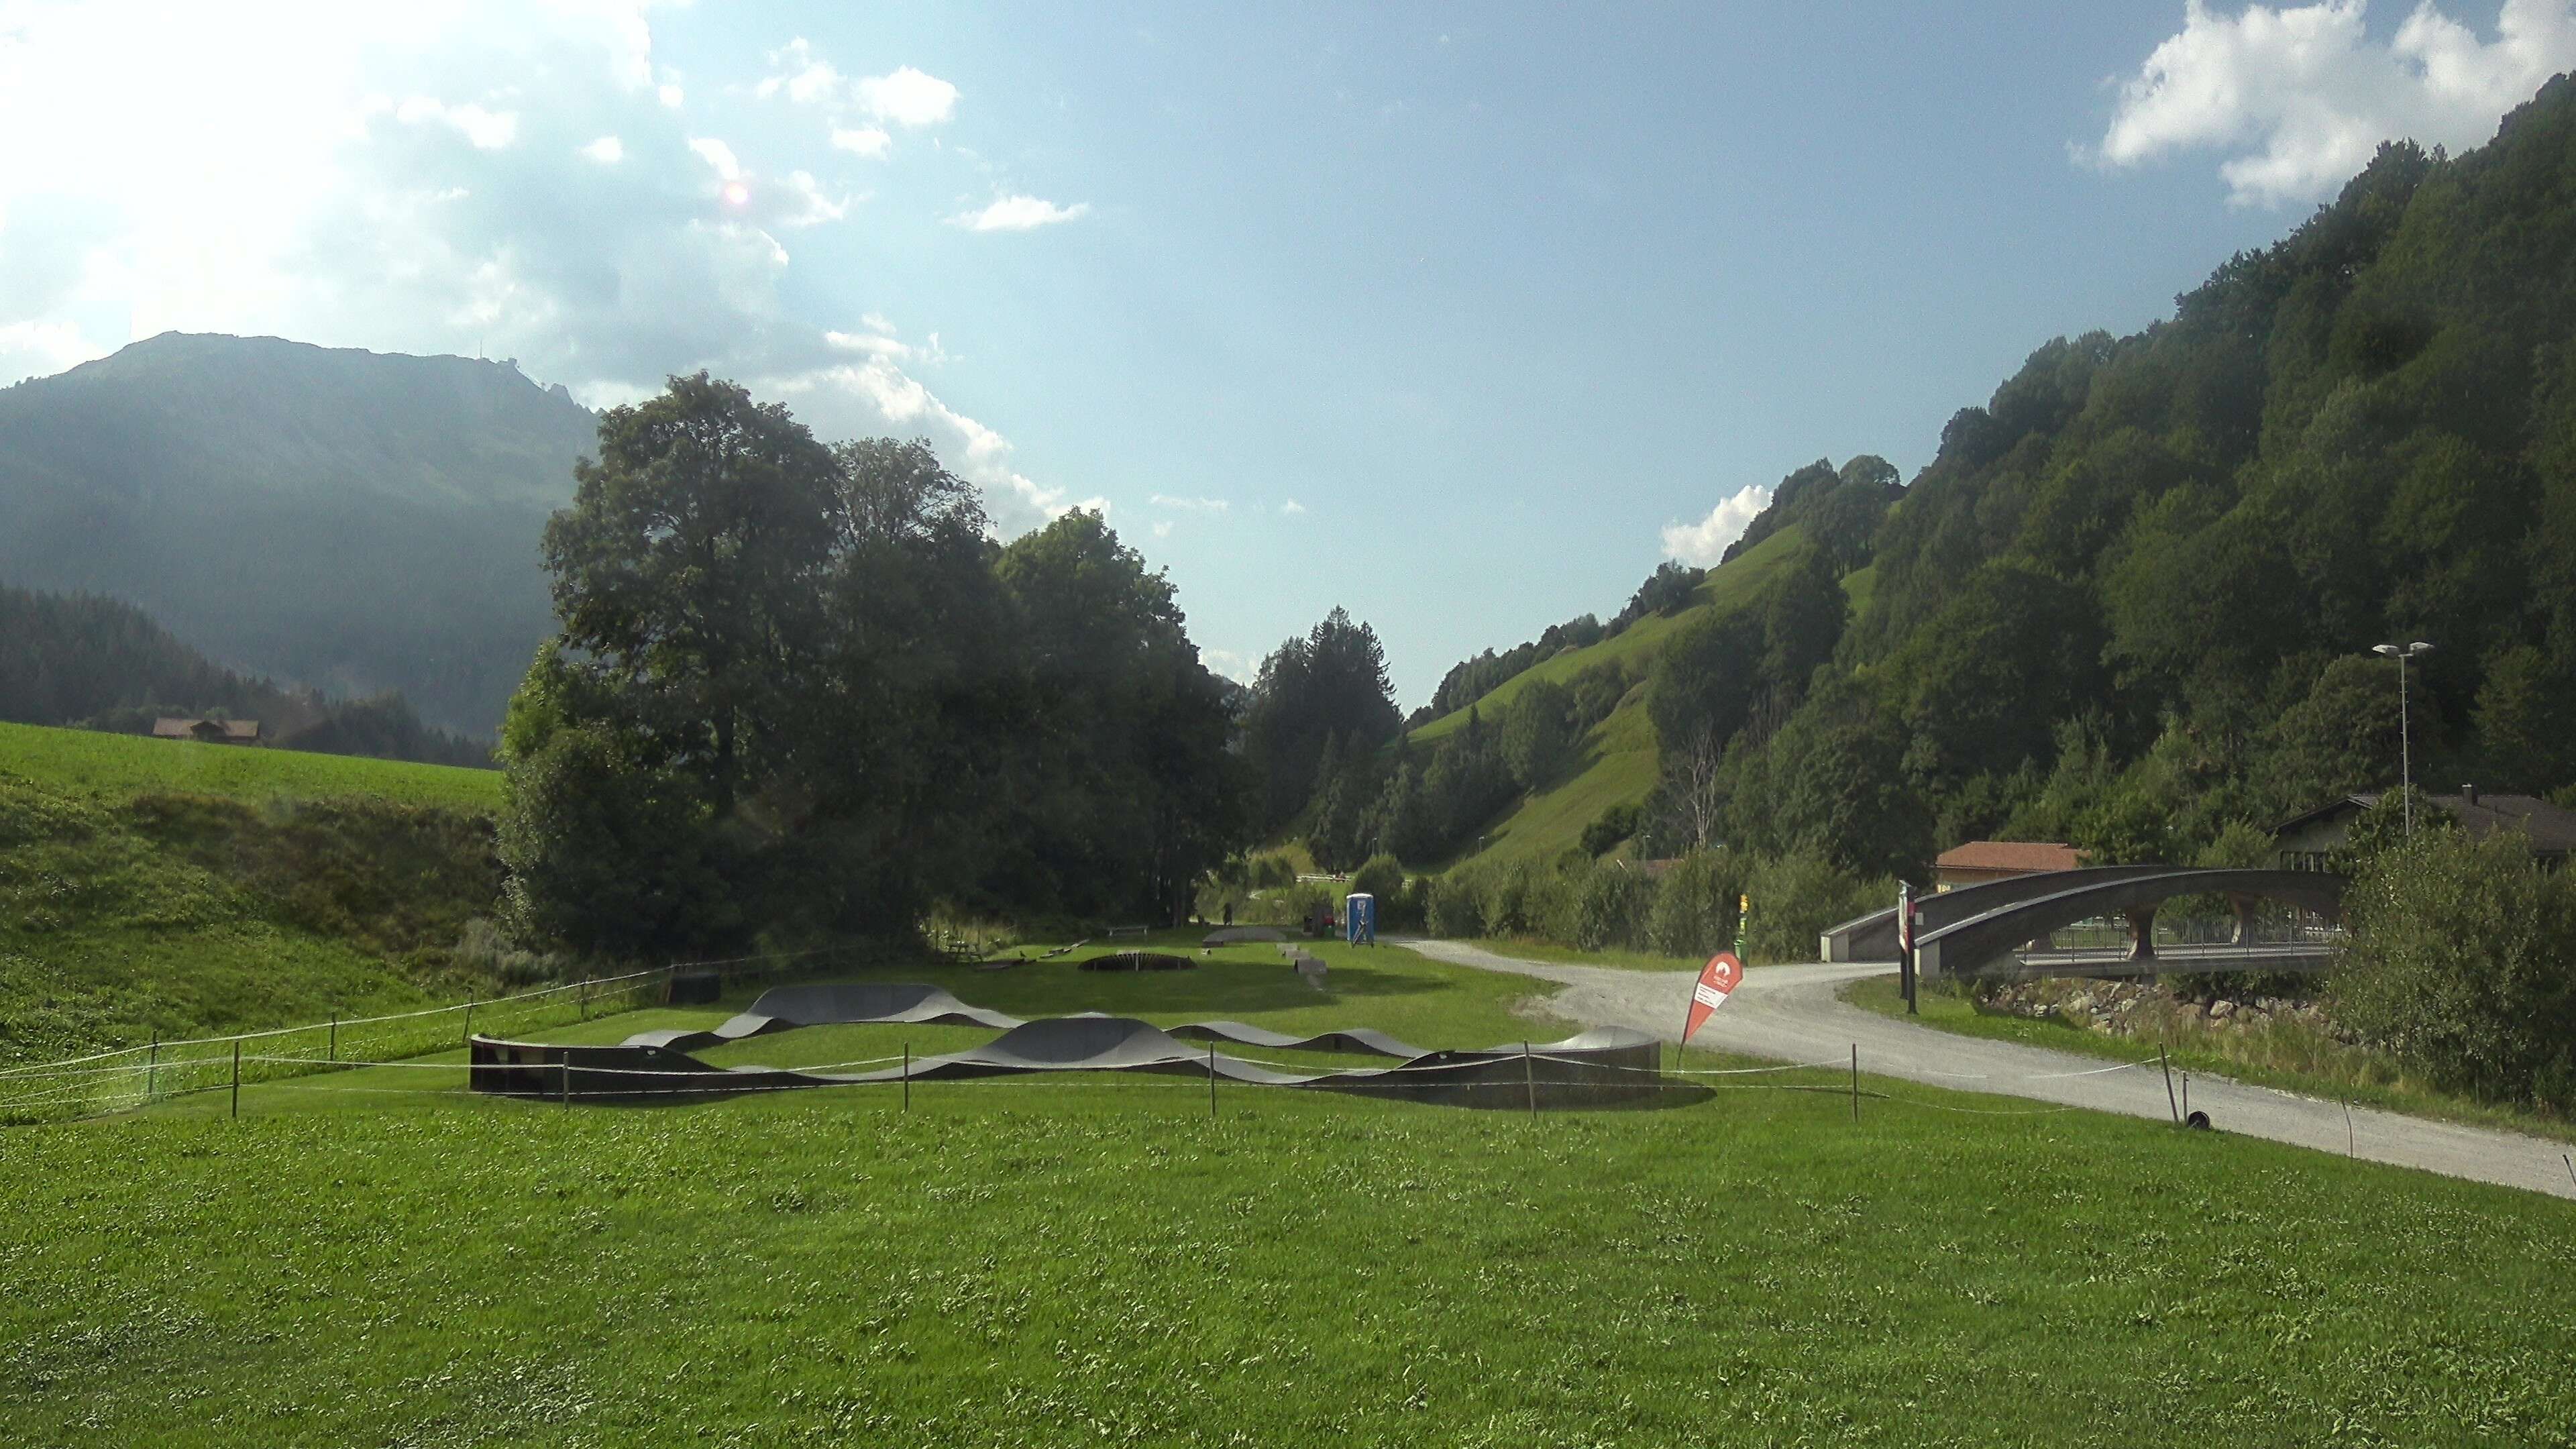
(1063, 1260)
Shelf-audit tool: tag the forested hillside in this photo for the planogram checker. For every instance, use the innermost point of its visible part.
(101, 663)
(343, 520)
(2130, 603)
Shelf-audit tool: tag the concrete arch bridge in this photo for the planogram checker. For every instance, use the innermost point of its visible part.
(2012, 928)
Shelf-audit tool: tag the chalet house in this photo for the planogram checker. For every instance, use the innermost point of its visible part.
(1979, 861)
(2312, 841)
(212, 731)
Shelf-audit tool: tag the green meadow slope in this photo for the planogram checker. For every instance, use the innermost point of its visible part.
(1617, 762)
(158, 886)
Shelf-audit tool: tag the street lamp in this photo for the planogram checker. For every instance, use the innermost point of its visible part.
(2405, 745)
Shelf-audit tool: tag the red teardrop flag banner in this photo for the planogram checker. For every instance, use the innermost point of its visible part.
(1716, 980)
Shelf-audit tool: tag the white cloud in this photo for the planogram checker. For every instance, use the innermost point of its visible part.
(859, 110)
(430, 178)
(1163, 529)
(875, 394)
(1703, 543)
(1019, 213)
(1192, 505)
(870, 141)
(1241, 668)
(2299, 97)
(718, 155)
(1292, 507)
(907, 97)
(486, 130)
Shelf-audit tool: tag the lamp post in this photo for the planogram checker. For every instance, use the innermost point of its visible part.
(2405, 742)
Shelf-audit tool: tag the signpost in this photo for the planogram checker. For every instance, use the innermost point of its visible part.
(1905, 942)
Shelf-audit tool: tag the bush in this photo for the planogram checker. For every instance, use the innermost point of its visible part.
(2461, 959)
(1383, 878)
(1694, 908)
(1609, 828)
(1452, 905)
(1795, 897)
(1610, 905)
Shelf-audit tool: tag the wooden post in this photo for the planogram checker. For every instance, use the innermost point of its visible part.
(564, 1065)
(585, 998)
(236, 1076)
(1529, 1079)
(1855, 1081)
(335, 1033)
(2186, 1096)
(2167, 1061)
(2351, 1144)
(1211, 1081)
(152, 1069)
(469, 1019)
(907, 1075)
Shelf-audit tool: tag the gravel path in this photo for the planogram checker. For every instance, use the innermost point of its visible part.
(1791, 1013)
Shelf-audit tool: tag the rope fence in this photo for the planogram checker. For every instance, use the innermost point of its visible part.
(130, 1077)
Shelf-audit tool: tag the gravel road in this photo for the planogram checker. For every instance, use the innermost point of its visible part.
(1791, 1013)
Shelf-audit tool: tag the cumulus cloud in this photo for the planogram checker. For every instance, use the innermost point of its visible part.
(1191, 505)
(907, 97)
(1019, 213)
(870, 141)
(1703, 543)
(2300, 96)
(513, 177)
(1292, 507)
(859, 109)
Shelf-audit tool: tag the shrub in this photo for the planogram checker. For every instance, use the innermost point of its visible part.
(1796, 896)
(1694, 908)
(1610, 905)
(2461, 959)
(1609, 828)
(1383, 878)
(1452, 905)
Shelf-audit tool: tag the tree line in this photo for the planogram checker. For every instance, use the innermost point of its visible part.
(92, 662)
(799, 694)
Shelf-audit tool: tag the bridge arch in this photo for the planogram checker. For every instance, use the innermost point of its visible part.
(1873, 937)
(1966, 946)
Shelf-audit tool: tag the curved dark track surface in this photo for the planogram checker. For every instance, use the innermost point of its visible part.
(1597, 1067)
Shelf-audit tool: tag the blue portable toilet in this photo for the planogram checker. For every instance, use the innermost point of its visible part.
(1359, 920)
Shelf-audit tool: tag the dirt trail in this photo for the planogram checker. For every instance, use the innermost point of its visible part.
(1791, 1013)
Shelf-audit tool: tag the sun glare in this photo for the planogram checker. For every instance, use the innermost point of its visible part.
(735, 193)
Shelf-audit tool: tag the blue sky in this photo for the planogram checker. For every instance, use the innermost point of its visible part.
(1460, 316)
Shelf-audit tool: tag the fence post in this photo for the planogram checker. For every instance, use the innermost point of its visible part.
(335, 1033)
(1211, 1081)
(2167, 1063)
(585, 998)
(1855, 1081)
(565, 1063)
(469, 1019)
(236, 1077)
(907, 1075)
(1529, 1080)
(152, 1070)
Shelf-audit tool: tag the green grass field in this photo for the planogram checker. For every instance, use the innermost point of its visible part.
(1059, 1260)
(181, 888)
(119, 767)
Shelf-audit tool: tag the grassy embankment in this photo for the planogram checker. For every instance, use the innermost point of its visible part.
(1040, 1262)
(1616, 764)
(2290, 1055)
(184, 888)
